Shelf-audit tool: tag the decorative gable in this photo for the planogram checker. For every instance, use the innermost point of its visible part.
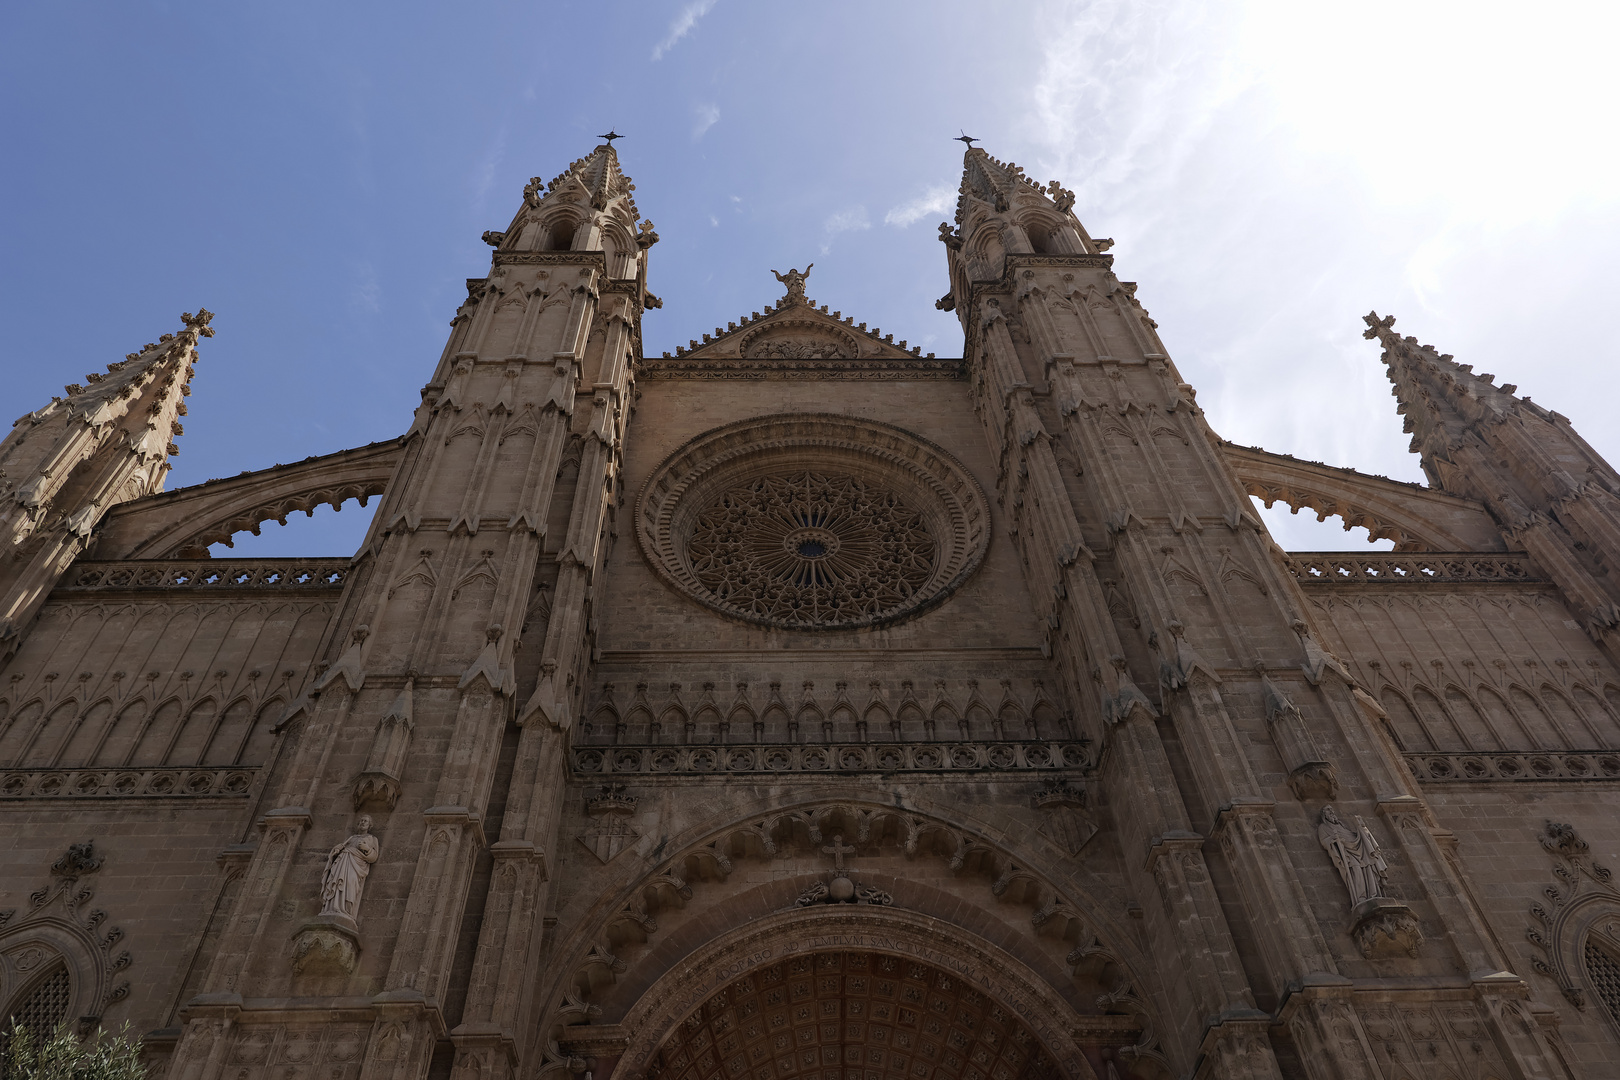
(795, 339)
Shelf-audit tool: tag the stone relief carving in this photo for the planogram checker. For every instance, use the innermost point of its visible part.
(840, 889)
(610, 831)
(1382, 927)
(1582, 903)
(798, 348)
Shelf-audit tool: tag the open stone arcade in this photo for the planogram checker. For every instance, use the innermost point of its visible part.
(800, 707)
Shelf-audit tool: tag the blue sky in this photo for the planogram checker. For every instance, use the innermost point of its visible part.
(319, 176)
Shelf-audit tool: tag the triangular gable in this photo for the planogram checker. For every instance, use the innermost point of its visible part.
(794, 338)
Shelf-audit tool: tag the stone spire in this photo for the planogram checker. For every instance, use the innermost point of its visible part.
(1545, 486)
(62, 467)
(1000, 212)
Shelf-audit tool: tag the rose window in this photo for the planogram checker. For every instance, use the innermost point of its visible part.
(811, 548)
(813, 522)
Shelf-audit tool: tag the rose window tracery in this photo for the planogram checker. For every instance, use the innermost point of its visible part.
(811, 548)
(812, 522)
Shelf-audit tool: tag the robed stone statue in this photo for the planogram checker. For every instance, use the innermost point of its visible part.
(346, 869)
(1355, 855)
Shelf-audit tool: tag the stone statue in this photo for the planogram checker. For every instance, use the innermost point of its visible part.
(1355, 854)
(346, 870)
(794, 281)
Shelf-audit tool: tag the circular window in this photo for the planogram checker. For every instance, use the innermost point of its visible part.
(813, 522)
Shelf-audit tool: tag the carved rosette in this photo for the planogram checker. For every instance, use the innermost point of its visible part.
(813, 521)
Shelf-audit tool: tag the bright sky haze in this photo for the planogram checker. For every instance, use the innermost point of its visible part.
(318, 175)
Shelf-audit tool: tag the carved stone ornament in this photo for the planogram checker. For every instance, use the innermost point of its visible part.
(1580, 921)
(1382, 928)
(1065, 820)
(609, 831)
(60, 923)
(329, 944)
(813, 521)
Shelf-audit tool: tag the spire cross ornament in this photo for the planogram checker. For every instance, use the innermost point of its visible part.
(838, 849)
(610, 136)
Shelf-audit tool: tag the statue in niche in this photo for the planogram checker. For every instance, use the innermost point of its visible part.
(346, 869)
(794, 280)
(1355, 855)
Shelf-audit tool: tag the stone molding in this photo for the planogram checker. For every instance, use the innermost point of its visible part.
(833, 758)
(233, 782)
(232, 575)
(1489, 767)
(935, 485)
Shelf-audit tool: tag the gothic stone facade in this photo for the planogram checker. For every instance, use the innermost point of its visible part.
(799, 707)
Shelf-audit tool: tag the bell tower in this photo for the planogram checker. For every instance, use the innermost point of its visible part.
(1227, 727)
(453, 667)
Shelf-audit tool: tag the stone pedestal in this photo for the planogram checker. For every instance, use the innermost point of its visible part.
(1385, 928)
(326, 945)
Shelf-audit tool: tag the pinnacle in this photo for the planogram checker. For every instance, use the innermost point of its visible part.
(999, 182)
(598, 172)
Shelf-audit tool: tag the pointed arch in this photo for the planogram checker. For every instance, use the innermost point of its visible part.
(40, 745)
(225, 739)
(117, 742)
(152, 744)
(15, 738)
(1410, 732)
(1599, 716)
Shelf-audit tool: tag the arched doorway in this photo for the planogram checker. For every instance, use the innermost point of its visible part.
(850, 992)
(851, 1015)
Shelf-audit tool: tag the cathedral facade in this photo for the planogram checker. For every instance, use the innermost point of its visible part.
(796, 706)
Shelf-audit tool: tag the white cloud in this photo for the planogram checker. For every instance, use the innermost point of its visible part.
(714, 221)
(936, 200)
(367, 293)
(852, 220)
(683, 24)
(707, 117)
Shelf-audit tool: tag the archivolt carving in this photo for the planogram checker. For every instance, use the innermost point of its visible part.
(1056, 921)
(758, 519)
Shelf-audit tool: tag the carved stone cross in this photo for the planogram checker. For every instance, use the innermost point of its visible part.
(838, 849)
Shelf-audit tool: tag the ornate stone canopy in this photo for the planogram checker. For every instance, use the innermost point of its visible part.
(813, 522)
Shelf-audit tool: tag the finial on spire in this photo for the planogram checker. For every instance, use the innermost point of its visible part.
(794, 280)
(965, 138)
(610, 136)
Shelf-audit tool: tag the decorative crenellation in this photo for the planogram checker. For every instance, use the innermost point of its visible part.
(834, 759)
(1561, 765)
(232, 783)
(1337, 568)
(236, 575)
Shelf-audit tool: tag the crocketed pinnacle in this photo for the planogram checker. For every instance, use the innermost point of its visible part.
(1003, 184)
(1445, 404)
(598, 174)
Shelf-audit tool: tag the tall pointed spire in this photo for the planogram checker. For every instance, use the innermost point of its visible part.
(1545, 486)
(65, 464)
(999, 212)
